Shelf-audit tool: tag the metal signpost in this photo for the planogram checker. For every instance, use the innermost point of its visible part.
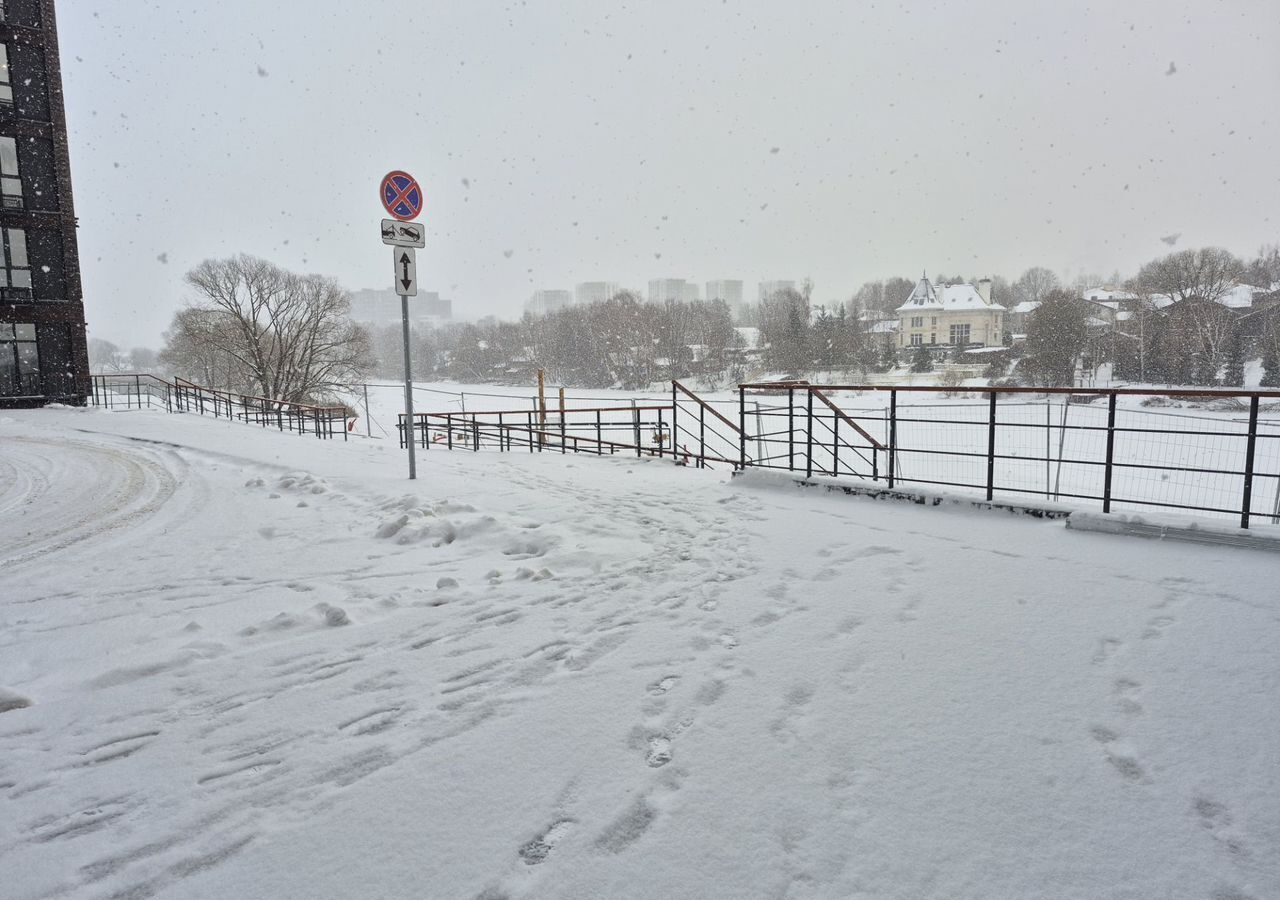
(402, 199)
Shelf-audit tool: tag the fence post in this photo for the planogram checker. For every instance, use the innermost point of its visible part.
(1247, 504)
(742, 428)
(702, 437)
(893, 436)
(991, 448)
(1111, 445)
(368, 423)
(791, 429)
(835, 448)
(660, 443)
(599, 436)
(635, 415)
(808, 437)
(675, 432)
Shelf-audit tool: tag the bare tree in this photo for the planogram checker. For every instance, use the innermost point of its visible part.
(1034, 285)
(282, 335)
(106, 358)
(1206, 274)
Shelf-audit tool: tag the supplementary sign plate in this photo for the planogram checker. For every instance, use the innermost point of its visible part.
(406, 261)
(403, 234)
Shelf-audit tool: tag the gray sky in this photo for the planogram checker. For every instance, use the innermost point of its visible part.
(588, 140)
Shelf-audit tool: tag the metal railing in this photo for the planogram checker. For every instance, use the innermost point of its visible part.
(144, 391)
(638, 429)
(1223, 461)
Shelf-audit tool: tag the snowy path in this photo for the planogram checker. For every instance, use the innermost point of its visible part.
(262, 666)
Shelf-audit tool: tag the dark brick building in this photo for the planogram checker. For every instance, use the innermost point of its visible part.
(43, 354)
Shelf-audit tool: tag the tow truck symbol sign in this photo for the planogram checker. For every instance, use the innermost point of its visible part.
(403, 234)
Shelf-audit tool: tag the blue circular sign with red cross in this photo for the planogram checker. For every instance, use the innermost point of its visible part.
(401, 195)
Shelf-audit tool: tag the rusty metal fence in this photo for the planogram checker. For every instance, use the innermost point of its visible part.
(144, 391)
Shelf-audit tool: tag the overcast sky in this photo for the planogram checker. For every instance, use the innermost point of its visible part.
(586, 140)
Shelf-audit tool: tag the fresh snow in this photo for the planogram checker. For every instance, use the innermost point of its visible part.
(237, 663)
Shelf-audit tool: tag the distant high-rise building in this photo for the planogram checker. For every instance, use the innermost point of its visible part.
(769, 288)
(43, 352)
(664, 290)
(728, 290)
(545, 302)
(594, 291)
(690, 294)
(382, 307)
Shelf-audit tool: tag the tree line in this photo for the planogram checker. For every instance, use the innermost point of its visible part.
(256, 328)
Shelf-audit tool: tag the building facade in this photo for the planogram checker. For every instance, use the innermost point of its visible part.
(728, 290)
(950, 315)
(765, 290)
(545, 302)
(43, 350)
(379, 308)
(667, 290)
(594, 291)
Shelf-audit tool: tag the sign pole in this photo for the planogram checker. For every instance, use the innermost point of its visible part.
(408, 390)
(402, 198)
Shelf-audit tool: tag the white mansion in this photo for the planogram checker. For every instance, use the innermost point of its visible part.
(951, 314)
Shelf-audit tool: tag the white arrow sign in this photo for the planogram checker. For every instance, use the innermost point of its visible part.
(406, 261)
(403, 234)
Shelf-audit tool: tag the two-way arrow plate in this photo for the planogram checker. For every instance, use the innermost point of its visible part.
(406, 260)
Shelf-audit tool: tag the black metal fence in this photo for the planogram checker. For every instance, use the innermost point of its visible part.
(638, 429)
(144, 391)
(1215, 452)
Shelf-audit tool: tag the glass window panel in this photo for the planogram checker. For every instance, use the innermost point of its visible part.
(21, 278)
(24, 331)
(17, 247)
(6, 94)
(8, 156)
(6, 331)
(28, 358)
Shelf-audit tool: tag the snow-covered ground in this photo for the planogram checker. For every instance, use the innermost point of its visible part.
(237, 663)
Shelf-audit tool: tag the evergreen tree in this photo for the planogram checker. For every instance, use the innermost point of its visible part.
(1270, 368)
(921, 359)
(1234, 374)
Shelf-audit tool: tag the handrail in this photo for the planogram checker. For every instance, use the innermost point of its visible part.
(182, 382)
(707, 406)
(1099, 392)
(841, 413)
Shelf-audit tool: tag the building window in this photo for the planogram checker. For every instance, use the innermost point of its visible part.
(10, 180)
(15, 268)
(959, 334)
(917, 340)
(19, 360)
(917, 321)
(6, 87)
(933, 338)
(935, 320)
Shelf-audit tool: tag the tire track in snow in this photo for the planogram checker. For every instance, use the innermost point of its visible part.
(102, 491)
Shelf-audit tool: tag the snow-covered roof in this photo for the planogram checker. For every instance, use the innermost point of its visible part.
(1106, 294)
(1026, 306)
(884, 326)
(950, 297)
(1239, 297)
